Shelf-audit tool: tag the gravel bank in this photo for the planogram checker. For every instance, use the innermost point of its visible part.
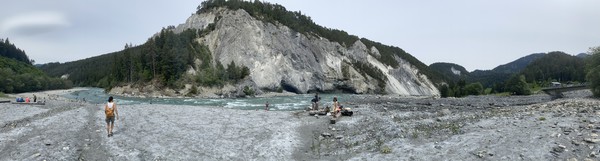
(71, 131)
(472, 128)
(383, 128)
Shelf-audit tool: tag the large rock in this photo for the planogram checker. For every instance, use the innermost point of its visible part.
(280, 57)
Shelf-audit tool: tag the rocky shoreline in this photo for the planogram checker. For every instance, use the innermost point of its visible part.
(205, 92)
(382, 128)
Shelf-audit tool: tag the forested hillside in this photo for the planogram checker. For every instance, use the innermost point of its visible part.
(517, 77)
(498, 75)
(452, 72)
(162, 60)
(18, 75)
(555, 66)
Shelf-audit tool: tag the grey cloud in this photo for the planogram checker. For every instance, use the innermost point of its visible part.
(35, 23)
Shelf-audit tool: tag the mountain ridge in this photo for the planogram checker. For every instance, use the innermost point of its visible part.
(538, 67)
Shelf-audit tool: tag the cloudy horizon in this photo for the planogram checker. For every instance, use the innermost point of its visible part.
(474, 34)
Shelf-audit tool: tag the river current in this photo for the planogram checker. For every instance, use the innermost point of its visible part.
(281, 103)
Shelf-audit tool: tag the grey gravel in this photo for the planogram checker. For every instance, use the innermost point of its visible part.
(471, 128)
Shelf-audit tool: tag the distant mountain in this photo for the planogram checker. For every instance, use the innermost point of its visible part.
(519, 64)
(583, 55)
(452, 71)
(557, 66)
(501, 73)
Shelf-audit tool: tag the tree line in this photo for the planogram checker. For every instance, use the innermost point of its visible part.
(9, 50)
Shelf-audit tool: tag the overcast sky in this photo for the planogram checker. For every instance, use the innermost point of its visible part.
(474, 33)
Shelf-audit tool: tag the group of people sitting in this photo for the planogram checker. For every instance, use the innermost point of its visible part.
(26, 100)
(335, 111)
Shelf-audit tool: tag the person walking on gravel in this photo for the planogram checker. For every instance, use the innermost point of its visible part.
(110, 109)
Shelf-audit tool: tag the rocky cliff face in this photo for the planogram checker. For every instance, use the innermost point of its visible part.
(281, 58)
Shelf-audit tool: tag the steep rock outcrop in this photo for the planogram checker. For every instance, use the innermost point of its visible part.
(280, 57)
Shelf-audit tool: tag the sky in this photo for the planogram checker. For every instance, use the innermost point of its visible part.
(473, 33)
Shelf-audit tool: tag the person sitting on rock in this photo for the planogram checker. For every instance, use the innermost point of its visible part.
(336, 107)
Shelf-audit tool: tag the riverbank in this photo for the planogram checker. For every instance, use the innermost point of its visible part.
(228, 91)
(382, 128)
(46, 95)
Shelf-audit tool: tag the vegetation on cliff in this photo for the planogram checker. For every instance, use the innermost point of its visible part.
(275, 13)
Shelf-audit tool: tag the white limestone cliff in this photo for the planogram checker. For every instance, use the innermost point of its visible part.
(280, 57)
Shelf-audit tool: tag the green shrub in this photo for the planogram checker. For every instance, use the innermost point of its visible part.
(386, 149)
(248, 91)
(345, 71)
(372, 71)
(518, 85)
(193, 91)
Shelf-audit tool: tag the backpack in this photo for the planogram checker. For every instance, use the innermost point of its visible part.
(347, 113)
(110, 112)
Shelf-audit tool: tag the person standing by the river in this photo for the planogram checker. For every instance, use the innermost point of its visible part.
(315, 102)
(267, 106)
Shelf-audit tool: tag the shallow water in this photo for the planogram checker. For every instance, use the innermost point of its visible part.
(280, 103)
